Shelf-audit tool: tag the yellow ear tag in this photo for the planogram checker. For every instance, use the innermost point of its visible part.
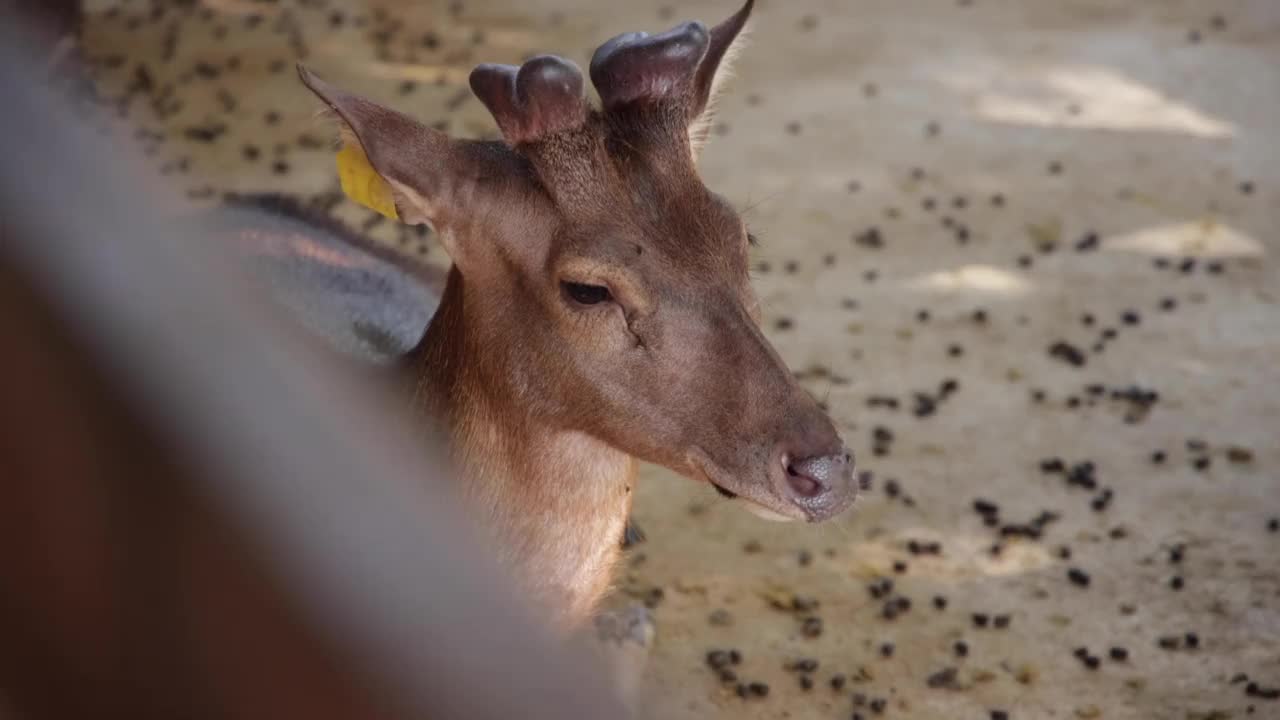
(362, 183)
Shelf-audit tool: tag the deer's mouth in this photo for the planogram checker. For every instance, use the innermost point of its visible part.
(760, 511)
(724, 491)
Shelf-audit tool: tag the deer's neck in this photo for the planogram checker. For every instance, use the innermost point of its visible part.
(555, 500)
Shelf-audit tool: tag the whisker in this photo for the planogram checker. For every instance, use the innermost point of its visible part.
(750, 207)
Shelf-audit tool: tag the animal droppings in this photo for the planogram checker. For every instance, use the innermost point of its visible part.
(1078, 577)
(1017, 399)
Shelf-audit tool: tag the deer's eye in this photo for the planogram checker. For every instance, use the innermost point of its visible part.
(584, 294)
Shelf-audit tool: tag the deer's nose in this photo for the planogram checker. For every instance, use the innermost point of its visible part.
(820, 483)
(812, 476)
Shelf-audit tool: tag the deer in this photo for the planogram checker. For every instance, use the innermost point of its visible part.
(598, 311)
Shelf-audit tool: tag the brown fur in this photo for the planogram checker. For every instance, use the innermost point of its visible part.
(548, 402)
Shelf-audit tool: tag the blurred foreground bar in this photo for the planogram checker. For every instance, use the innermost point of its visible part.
(199, 518)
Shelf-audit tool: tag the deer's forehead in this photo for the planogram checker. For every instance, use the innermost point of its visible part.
(663, 228)
(627, 196)
(667, 210)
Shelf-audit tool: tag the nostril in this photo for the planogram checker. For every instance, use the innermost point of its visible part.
(802, 484)
(815, 476)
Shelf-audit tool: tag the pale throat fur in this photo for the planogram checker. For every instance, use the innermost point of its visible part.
(554, 501)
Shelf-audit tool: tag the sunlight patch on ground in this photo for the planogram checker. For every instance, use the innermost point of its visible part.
(1201, 238)
(980, 278)
(964, 556)
(1081, 96)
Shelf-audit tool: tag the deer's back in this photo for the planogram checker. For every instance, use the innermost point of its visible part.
(327, 278)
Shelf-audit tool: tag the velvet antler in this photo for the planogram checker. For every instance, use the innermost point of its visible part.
(680, 65)
(639, 67)
(542, 97)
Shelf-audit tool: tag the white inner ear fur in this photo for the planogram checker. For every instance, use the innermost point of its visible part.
(346, 135)
(412, 208)
(700, 128)
(329, 118)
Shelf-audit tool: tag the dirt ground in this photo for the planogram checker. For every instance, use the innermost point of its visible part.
(1062, 211)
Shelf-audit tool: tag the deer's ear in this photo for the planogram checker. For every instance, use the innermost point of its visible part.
(395, 165)
(726, 41)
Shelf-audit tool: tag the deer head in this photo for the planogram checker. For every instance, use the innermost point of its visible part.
(607, 286)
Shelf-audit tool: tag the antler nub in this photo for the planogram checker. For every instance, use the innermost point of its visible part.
(542, 97)
(641, 67)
